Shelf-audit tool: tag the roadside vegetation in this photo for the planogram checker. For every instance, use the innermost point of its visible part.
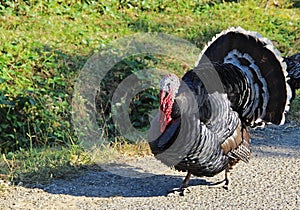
(45, 44)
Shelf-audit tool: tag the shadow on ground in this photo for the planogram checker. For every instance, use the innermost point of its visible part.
(272, 142)
(277, 141)
(107, 184)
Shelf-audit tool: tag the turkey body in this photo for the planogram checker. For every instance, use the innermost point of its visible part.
(239, 81)
(203, 124)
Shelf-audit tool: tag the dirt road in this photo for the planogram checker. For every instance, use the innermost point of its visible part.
(269, 181)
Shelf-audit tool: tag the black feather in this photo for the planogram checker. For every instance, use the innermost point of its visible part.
(293, 69)
(239, 80)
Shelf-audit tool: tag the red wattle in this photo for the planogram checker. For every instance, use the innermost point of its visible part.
(166, 103)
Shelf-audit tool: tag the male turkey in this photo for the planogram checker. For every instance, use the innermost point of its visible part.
(239, 80)
(293, 68)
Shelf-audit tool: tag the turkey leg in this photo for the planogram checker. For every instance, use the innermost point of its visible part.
(186, 181)
(226, 182)
(227, 179)
(184, 187)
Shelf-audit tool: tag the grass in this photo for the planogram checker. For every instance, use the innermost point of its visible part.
(39, 165)
(44, 45)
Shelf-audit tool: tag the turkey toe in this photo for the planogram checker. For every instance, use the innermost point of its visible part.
(179, 191)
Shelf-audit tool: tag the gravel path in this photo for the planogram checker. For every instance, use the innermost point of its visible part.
(269, 181)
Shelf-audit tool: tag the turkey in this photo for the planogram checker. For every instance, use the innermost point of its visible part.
(239, 81)
(293, 68)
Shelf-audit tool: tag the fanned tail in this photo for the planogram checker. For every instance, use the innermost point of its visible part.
(262, 73)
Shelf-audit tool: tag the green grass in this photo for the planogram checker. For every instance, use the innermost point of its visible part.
(44, 45)
(43, 164)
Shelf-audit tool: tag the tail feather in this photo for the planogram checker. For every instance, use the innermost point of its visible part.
(263, 68)
(293, 69)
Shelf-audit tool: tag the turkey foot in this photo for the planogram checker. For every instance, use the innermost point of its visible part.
(180, 191)
(184, 188)
(224, 183)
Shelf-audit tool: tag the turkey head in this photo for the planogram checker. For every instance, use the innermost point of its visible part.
(169, 86)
